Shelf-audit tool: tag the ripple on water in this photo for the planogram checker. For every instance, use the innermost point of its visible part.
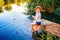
(18, 29)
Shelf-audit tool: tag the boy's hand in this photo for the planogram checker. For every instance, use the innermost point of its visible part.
(33, 16)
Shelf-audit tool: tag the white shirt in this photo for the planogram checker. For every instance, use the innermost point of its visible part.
(38, 15)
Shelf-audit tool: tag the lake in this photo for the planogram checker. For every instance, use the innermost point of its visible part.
(14, 25)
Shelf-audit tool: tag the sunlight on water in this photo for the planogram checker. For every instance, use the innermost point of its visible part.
(14, 25)
(15, 10)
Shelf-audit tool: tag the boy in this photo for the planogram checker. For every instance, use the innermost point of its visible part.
(37, 19)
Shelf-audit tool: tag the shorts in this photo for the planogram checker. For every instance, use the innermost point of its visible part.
(38, 23)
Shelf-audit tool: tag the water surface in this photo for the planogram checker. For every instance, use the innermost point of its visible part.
(14, 25)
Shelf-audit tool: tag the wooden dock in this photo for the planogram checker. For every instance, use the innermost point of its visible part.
(51, 27)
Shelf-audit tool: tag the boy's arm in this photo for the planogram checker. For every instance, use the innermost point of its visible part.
(33, 16)
(36, 18)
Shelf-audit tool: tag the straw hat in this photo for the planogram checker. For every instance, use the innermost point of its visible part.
(38, 7)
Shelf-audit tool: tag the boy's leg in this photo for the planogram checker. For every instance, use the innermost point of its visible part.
(32, 26)
(35, 27)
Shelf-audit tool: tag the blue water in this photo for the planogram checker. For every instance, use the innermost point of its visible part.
(15, 26)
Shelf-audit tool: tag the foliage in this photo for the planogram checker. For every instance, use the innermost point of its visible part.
(8, 7)
(7, 3)
(57, 11)
(48, 5)
(1, 9)
(1, 4)
(47, 36)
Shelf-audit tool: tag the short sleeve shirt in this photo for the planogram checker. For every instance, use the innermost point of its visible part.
(38, 15)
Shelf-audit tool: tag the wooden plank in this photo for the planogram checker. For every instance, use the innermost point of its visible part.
(49, 30)
(53, 28)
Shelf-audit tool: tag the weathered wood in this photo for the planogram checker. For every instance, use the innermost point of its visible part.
(52, 27)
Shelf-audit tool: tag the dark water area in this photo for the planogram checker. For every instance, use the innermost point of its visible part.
(51, 17)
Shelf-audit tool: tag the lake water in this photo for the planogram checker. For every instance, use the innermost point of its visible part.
(14, 25)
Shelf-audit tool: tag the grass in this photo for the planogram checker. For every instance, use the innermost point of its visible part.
(46, 36)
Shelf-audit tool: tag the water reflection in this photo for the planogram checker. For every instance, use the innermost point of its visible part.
(14, 25)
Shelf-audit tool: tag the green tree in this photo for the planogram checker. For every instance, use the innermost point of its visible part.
(8, 5)
(1, 4)
(48, 5)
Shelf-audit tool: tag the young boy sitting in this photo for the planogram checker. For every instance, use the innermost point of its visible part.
(37, 18)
